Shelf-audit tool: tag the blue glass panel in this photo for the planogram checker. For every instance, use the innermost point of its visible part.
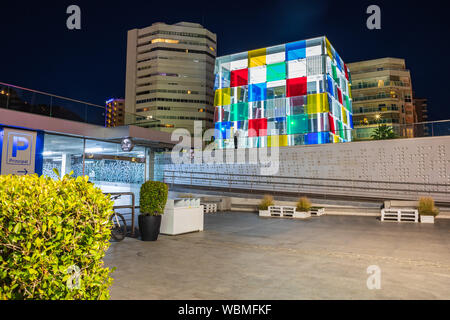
(330, 86)
(257, 92)
(350, 120)
(338, 62)
(317, 138)
(241, 124)
(216, 82)
(222, 130)
(296, 50)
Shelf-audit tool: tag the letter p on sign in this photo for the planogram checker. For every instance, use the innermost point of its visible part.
(19, 144)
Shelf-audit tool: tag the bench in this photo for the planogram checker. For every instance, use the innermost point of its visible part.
(317, 211)
(400, 210)
(209, 207)
(287, 211)
(400, 214)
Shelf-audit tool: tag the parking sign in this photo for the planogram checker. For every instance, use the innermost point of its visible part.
(18, 151)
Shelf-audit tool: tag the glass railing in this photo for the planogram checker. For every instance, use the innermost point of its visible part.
(413, 130)
(31, 101)
(376, 84)
(357, 109)
(375, 97)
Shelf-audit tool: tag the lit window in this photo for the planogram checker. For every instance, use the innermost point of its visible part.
(165, 40)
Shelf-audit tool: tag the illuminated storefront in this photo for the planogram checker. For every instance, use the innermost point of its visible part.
(291, 94)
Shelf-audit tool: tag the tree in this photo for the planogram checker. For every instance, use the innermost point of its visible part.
(383, 132)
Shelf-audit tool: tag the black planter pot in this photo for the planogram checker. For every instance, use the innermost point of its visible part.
(149, 227)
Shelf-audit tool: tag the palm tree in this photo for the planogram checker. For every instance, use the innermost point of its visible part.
(383, 132)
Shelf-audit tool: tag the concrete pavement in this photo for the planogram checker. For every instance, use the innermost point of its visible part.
(242, 256)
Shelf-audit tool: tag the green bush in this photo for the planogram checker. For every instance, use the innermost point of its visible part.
(303, 204)
(153, 198)
(266, 202)
(426, 207)
(47, 228)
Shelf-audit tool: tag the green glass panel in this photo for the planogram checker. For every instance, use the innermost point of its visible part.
(276, 71)
(239, 111)
(341, 129)
(347, 103)
(297, 124)
(334, 72)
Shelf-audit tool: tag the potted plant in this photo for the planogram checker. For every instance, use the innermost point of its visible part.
(264, 205)
(153, 199)
(427, 210)
(303, 208)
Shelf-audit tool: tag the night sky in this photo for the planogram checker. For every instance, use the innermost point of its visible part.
(37, 51)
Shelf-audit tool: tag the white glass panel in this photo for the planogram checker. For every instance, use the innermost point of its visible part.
(275, 57)
(257, 74)
(296, 68)
(313, 51)
(239, 64)
(278, 83)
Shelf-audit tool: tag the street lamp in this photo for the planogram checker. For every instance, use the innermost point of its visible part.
(378, 117)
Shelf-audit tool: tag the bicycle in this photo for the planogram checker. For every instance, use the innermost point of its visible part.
(118, 230)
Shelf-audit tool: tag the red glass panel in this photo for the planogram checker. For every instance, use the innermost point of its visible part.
(340, 95)
(296, 87)
(239, 78)
(331, 121)
(257, 127)
(346, 71)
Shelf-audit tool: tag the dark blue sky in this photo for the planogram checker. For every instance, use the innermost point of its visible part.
(37, 50)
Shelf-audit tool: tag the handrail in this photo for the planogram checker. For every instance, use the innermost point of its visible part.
(229, 183)
(309, 178)
(52, 95)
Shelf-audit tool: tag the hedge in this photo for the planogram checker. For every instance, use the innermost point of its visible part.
(49, 230)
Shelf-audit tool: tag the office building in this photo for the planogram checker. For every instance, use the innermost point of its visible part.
(382, 94)
(170, 75)
(422, 129)
(290, 94)
(115, 113)
(421, 108)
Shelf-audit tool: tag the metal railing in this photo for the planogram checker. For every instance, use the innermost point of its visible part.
(130, 206)
(326, 187)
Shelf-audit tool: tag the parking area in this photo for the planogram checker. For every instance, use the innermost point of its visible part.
(243, 256)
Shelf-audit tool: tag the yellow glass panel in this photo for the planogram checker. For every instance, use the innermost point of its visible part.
(218, 97)
(257, 57)
(344, 115)
(277, 141)
(350, 91)
(317, 103)
(222, 97)
(335, 138)
(283, 140)
(329, 51)
(226, 96)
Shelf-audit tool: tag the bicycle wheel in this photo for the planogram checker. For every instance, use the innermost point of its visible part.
(119, 228)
